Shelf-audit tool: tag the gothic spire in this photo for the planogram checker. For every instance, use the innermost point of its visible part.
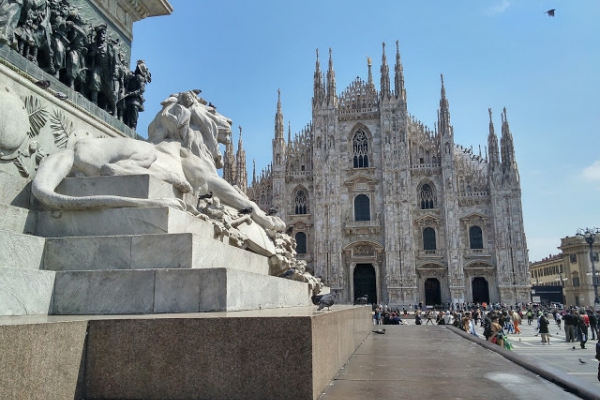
(385, 75)
(253, 172)
(229, 163)
(290, 133)
(331, 90)
(444, 113)
(319, 89)
(508, 148)
(399, 90)
(494, 159)
(241, 179)
(370, 73)
(279, 118)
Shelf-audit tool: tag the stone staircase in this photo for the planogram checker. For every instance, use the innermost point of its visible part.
(129, 260)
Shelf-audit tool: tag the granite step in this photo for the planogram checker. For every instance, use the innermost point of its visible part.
(172, 291)
(177, 250)
(21, 251)
(25, 291)
(17, 219)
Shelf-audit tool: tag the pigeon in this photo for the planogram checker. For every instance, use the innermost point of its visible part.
(288, 273)
(573, 348)
(361, 300)
(380, 331)
(581, 361)
(206, 196)
(272, 211)
(44, 84)
(61, 96)
(246, 210)
(326, 301)
(212, 105)
(550, 12)
(316, 299)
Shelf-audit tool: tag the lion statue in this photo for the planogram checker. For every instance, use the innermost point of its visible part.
(182, 150)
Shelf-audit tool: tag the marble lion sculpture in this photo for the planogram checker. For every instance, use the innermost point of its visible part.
(182, 150)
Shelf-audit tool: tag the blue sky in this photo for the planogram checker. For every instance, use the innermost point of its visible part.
(493, 54)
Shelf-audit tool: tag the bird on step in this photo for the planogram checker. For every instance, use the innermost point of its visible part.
(581, 361)
(326, 301)
(208, 195)
(246, 210)
(61, 96)
(379, 331)
(44, 84)
(272, 211)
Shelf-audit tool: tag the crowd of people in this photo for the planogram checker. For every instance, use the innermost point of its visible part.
(500, 320)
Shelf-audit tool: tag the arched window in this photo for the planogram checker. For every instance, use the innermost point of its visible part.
(427, 197)
(300, 202)
(429, 239)
(360, 149)
(362, 208)
(301, 243)
(475, 237)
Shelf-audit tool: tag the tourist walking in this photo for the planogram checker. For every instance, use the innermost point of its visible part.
(497, 333)
(516, 318)
(544, 331)
(593, 324)
(598, 357)
(583, 332)
(569, 326)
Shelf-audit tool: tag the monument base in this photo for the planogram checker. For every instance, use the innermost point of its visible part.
(291, 353)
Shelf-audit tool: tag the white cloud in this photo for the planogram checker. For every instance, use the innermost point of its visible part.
(592, 173)
(499, 8)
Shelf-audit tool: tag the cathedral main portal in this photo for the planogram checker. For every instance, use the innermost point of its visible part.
(433, 292)
(481, 292)
(365, 282)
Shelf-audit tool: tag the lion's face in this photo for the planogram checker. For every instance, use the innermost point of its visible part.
(223, 125)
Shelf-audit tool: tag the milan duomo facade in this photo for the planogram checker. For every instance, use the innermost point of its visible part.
(382, 206)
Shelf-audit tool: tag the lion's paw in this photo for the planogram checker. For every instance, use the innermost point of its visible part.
(183, 186)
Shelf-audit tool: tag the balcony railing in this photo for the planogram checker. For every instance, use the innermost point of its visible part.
(431, 253)
(477, 253)
(360, 224)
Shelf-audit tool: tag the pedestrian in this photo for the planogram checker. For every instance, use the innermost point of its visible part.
(544, 331)
(516, 321)
(598, 357)
(418, 320)
(583, 332)
(558, 319)
(593, 323)
(497, 333)
(377, 316)
(529, 316)
(429, 317)
(569, 326)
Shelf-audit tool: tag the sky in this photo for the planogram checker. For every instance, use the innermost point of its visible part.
(492, 53)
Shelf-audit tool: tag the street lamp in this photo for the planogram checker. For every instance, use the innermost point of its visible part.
(590, 237)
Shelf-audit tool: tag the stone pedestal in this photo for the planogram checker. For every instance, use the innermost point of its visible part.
(289, 353)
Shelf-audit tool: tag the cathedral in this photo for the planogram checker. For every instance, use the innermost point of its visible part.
(382, 206)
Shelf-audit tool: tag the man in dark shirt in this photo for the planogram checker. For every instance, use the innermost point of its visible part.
(598, 357)
(569, 323)
(593, 324)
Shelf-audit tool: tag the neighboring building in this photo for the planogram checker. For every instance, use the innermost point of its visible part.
(380, 205)
(579, 286)
(548, 273)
